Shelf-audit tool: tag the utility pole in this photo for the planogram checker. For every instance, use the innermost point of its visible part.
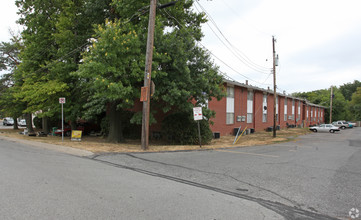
(147, 76)
(274, 88)
(331, 104)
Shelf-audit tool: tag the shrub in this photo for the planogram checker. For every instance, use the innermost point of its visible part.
(180, 128)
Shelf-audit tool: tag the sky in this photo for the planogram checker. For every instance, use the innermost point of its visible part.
(317, 41)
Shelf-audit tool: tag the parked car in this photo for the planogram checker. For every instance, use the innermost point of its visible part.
(353, 124)
(8, 121)
(22, 123)
(85, 127)
(67, 131)
(324, 128)
(341, 124)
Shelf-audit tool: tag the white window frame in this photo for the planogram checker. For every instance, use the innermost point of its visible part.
(276, 108)
(293, 109)
(264, 115)
(285, 110)
(250, 106)
(299, 110)
(230, 106)
(314, 118)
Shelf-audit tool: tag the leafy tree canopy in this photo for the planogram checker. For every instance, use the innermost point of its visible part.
(348, 89)
(355, 104)
(113, 67)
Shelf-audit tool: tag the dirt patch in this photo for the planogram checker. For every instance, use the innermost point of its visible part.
(100, 145)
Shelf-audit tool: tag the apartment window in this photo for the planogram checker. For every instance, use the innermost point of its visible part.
(285, 108)
(299, 111)
(230, 106)
(249, 106)
(314, 117)
(276, 108)
(264, 116)
(293, 109)
(307, 114)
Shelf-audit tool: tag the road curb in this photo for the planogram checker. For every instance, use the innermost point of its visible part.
(59, 148)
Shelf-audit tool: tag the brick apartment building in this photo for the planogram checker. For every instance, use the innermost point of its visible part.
(252, 107)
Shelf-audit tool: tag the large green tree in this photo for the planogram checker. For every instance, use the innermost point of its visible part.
(113, 69)
(33, 75)
(323, 97)
(348, 89)
(355, 104)
(9, 60)
(55, 34)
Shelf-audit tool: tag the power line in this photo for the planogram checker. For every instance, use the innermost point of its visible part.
(215, 24)
(245, 20)
(213, 53)
(240, 55)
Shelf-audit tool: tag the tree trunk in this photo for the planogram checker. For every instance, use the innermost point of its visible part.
(115, 126)
(29, 123)
(45, 123)
(16, 127)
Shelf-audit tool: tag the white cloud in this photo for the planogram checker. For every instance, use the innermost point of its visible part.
(317, 40)
(8, 19)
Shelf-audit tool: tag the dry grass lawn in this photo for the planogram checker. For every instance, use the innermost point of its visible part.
(100, 145)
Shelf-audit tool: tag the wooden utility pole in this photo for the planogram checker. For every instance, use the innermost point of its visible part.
(147, 76)
(274, 88)
(331, 104)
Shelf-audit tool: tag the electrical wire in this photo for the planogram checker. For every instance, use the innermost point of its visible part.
(211, 51)
(244, 57)
(245, 20)
(240, 55)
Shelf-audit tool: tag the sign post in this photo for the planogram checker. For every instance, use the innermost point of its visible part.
(62, 101)
(197, 113)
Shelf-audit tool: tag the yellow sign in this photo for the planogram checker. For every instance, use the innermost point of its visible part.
(76, 135)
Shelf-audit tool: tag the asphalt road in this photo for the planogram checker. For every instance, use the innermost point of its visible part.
(318, 176)
(38, 183)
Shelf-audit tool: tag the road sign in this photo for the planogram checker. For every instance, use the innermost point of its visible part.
(61, 100)
(144, 94)
(197, 113)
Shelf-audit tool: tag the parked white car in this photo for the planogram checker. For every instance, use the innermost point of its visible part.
(341, 124)
(8, 121)
(324, 128)
(22, 123)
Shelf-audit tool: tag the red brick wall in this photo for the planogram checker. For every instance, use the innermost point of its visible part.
(219, 121)
(240, 109)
